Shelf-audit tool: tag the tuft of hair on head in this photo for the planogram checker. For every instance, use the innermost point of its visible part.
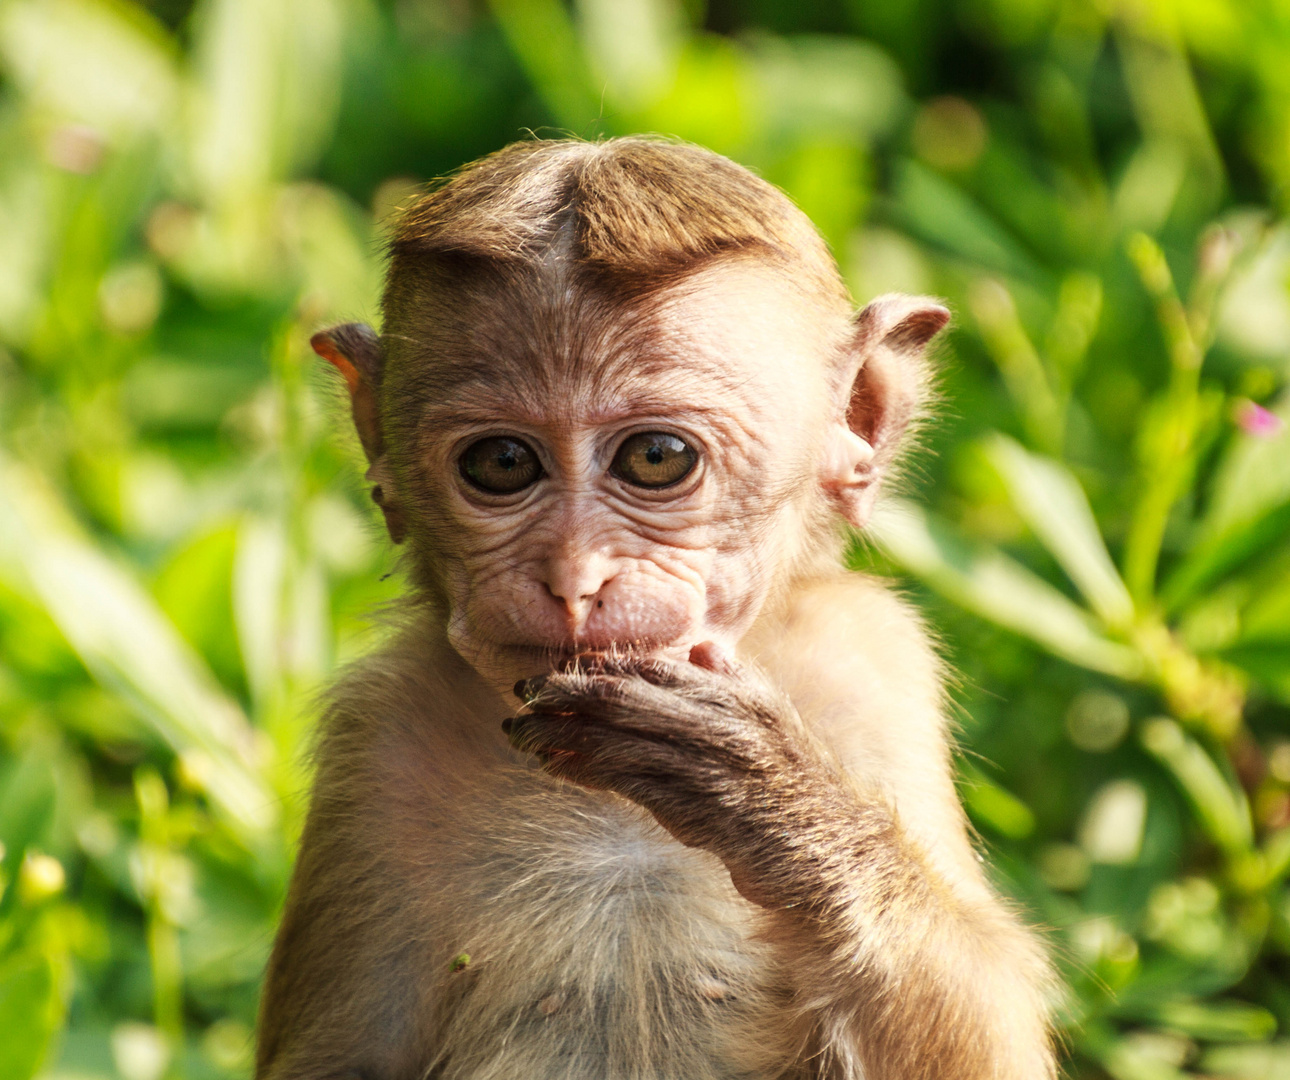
(638, 212)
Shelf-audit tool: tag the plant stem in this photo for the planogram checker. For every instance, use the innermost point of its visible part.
(1170, 434)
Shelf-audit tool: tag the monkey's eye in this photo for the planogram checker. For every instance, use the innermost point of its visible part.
(653, 459)
(500, 465)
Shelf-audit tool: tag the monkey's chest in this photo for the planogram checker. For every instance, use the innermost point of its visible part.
(606, 950)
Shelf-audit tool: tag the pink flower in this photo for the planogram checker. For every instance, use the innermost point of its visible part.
(1255, 420)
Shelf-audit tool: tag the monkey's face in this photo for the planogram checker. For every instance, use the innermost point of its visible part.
(634, 479)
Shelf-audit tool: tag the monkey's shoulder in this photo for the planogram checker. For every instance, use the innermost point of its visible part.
(412, 690)
(852, 630)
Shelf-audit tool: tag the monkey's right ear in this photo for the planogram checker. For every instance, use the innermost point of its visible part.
(354, 350)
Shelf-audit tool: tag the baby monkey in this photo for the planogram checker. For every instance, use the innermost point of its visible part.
(620, 402)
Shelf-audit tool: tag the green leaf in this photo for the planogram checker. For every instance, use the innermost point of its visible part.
(103, 64)
(1050, 500)
(1225, 1020)
(826, 87)
(993, 806)
(125, 640)
(988, 583)
(1267, 1062)
(632, 44)
(542, 37)
(1267, 616)
(31, 1012)
(1221, 809)
(267, 78)
(28, 798)
(941, 213)
(1249, 510)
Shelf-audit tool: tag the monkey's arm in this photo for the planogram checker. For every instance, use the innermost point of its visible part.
(862, 673)
(906, 964)
(335, 1004)
(346, 980)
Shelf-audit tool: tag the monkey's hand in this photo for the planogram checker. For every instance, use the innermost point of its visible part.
(720, 760)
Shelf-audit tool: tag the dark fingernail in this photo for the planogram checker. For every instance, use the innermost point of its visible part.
(507, 724)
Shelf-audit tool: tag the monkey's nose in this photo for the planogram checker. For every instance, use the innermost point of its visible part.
(577, 587)
(579, 607)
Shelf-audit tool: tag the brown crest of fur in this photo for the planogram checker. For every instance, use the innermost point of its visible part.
(640, 208)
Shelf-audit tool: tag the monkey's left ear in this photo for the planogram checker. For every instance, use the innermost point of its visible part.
(887, 387)
(354, 350)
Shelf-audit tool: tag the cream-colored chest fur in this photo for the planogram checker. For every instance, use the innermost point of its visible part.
(599, 948)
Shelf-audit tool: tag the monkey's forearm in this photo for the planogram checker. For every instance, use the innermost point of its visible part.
(902, 978)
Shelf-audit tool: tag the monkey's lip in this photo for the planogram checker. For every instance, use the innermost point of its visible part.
(555, 656)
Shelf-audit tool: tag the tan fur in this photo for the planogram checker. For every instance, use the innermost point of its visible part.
(762, 870)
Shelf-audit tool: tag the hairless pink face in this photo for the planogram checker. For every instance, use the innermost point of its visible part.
(576, 474)
(649, 504)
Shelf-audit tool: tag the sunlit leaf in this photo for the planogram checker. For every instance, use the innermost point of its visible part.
(934, 209)
(995, 807)
(25, 240)
(633, 45)
(125, 640)
(826, 87)
(194, 588)
(30, 1013)
(265, 94)
(27, 799)
(1222, 1020)
(1055, 507)
(1254, 311)
(1128, 1059)
(712, 99)
(1267, 616)
(259, 595)
(1268, 1062)
(342, 276)
(542, 36)
(1221, 809)
(1249, 508)
(987, 582)
(102, 64)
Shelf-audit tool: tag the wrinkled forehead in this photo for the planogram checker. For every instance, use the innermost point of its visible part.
(736, 334)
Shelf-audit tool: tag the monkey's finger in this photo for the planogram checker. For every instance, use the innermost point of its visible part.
(587, 731)
(527, 689)
(701, 738)
(638, 767)
(712, 657)
(702, 702)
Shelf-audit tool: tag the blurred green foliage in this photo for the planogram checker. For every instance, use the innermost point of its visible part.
(1098, 531)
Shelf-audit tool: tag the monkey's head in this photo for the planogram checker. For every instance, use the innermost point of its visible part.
(620, 399)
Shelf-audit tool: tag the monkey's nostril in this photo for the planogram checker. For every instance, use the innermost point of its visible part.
(600, 603)
(507, 724)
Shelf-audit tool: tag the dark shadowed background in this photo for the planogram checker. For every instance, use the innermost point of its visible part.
(1098, 531)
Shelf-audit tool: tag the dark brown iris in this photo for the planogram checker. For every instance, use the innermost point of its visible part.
(653, 459)
(500, 465)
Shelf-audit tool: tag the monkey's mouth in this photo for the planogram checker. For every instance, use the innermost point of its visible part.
(556, 657)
